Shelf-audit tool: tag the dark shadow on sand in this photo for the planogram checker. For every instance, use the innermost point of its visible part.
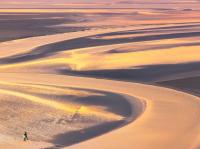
(190, 84)
(26, 25)
(148, 30)
(83, 42)
(142, 74)
(67, 139)
(113, 103)
(156, 47)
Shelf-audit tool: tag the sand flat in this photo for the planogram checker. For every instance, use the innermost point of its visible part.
(52, 77)
(156, 126)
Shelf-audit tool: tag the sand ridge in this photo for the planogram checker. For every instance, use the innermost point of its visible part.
(153, 127)
(56, 73)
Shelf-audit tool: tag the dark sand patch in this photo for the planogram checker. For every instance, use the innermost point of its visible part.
(114, 103)
(154, 47)
(30, 25)
(71, 138)
(191, 84)
(149, 73)
(150, 30)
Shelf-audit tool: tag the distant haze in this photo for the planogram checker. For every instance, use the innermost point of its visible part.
(192, 4)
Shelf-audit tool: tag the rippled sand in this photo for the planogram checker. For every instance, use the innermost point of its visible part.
(148, 46)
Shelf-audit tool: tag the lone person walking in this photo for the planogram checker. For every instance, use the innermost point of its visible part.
(25, 136)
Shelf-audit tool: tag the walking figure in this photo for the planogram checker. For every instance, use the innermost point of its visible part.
(25, 136)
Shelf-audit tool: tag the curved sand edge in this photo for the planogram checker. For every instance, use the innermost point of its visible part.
(170, 120)
(137, 108)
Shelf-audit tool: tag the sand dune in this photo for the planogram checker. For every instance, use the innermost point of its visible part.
(45, 89)
(64, 110)
(168, 113)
